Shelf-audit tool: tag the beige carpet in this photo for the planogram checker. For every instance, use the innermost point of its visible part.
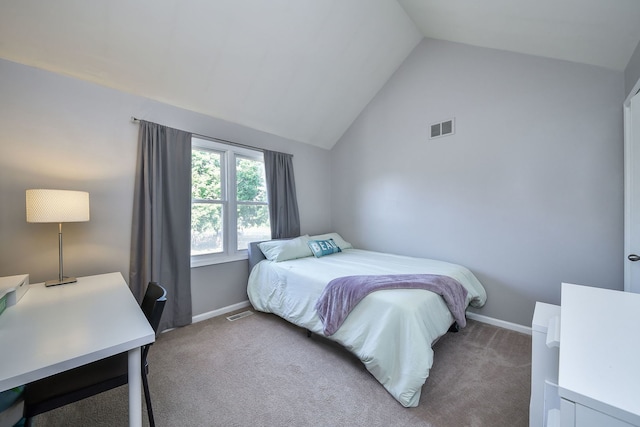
(263, 371)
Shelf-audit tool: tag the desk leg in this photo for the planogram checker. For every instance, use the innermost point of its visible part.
(135, 388)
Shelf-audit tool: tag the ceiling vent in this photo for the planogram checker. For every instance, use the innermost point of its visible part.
(444, 128)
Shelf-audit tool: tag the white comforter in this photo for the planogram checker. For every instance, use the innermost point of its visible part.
(391, 331)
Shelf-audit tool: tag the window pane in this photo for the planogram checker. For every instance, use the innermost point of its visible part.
(206, 228)
(253, 224)
(251, 185)
(206, 175)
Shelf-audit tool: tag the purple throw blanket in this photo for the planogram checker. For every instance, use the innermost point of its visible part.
(341, 295)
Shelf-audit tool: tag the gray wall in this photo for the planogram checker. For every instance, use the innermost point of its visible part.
(59, 132)
(632, 71)
(527, 193)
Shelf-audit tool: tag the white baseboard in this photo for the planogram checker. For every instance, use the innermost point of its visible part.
(220, 311)
(500, 323)
(473, 316)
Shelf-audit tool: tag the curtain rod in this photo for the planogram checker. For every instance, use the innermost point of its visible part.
(251, 147)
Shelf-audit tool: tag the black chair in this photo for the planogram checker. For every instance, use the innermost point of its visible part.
(76, 384)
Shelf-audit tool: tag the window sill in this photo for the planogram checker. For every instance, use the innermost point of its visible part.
(204, 261)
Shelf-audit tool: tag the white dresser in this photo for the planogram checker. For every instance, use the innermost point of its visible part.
(545, 336)
(599, 370)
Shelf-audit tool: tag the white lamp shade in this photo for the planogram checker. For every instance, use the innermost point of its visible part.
(57, 206)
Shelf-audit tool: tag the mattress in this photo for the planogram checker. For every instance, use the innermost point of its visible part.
(390, 331)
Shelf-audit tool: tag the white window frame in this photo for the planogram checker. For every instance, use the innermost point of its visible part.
(229, 200)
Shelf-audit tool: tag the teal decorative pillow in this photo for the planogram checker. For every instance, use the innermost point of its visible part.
(342, 244)
(323, 247)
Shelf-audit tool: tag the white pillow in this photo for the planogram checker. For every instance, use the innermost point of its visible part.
(342, 244)
(283, 250)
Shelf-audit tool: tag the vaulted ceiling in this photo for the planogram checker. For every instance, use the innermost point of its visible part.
(300, 69)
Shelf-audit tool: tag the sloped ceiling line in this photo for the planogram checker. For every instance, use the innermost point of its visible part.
(300, 69)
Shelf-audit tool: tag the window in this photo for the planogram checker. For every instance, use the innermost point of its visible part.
(229, 205)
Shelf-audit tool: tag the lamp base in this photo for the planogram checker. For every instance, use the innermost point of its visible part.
(60, 282)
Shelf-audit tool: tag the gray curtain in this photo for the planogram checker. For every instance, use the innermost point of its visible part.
(161, 231)
(281, 190)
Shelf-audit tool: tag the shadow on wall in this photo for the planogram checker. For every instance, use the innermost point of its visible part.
(98, 246)
(509, 298)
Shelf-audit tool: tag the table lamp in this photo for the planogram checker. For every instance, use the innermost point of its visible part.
(58, 206)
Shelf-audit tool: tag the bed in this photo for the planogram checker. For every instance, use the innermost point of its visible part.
(390, 331)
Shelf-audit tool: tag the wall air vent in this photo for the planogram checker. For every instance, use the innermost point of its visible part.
(444, 128)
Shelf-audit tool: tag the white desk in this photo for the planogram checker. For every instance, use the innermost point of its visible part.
(599, 378)
(62, 327)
